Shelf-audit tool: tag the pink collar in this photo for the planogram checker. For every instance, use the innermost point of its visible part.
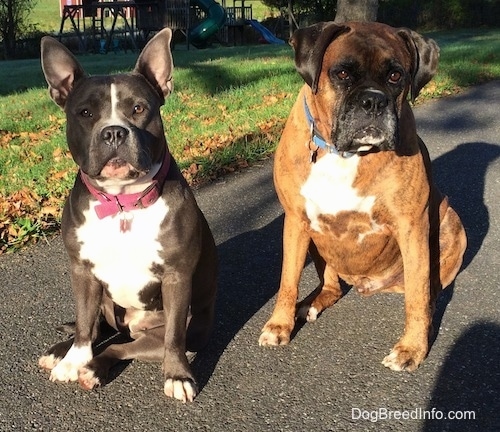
(111, 205)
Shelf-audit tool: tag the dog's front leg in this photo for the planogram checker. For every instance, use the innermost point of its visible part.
(295, 244)
(413, 346)
(88, 295)
(179, 381)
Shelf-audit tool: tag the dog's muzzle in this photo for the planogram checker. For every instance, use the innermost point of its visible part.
(369, 122)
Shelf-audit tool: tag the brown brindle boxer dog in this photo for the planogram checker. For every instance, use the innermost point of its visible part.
(355, 182)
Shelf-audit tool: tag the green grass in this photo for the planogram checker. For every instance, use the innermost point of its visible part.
(468, 57)
(45, 15)
(259, 10)
(227, 110)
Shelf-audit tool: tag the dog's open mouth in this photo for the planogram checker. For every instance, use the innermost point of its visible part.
(119, 168)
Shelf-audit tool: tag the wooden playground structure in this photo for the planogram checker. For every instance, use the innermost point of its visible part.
(110, 25)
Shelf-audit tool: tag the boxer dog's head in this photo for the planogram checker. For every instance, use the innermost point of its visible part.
(360, 75)
(113, 129)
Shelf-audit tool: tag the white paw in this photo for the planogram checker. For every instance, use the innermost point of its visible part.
(48, 361)
(307, 312)
(391, 361)
(312, 314)
(67, 369)
(268, 338)
(405, 357)
(183, 390)
(87, 378)
(275, 334)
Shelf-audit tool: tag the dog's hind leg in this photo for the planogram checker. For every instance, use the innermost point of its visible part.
(147, 346)
(55, 354)
(326, 294)
(452, 243)
(204, 284)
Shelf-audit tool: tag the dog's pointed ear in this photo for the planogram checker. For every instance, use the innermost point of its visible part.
(156, 64)
(61, 69)
(310, 44)
(424, 53)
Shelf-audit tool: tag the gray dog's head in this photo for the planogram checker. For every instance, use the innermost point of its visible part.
(114, 129)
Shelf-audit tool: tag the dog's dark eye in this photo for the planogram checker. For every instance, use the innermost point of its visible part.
(138, 109)
(343, 75)
(85, 113)
(395, 77)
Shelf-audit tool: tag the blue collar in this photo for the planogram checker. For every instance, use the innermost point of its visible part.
(317, 139)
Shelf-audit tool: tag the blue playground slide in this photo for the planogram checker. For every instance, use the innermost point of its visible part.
(266, 33)
(216, 17)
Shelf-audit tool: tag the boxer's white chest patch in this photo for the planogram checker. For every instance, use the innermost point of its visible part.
(329, 189)
(123, 260)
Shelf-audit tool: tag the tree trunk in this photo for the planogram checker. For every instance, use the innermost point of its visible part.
(356, 10)
(10, 33)
(13, 16)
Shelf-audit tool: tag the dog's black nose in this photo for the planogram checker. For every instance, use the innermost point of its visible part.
(373, 101)
(114, 136)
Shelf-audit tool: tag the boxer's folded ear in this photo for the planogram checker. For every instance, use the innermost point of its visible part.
(310, 44)
(425, 56)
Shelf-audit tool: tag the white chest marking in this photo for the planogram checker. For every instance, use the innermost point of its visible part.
(328, 189)
(123, 260)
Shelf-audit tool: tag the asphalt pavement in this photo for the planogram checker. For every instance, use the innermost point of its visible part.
(330, 377)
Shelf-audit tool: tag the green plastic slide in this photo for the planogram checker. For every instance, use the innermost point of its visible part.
(216, 17)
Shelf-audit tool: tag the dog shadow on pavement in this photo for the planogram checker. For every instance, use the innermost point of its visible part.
(469, 380)
(465, 396)
(460, 174)
(249, 274)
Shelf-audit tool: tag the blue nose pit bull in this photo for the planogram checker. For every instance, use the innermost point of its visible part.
(142, 255)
